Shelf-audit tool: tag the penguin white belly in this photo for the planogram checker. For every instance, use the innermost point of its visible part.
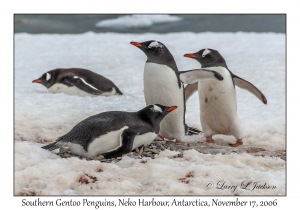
(109, 142)
(161, 86)
(61, 88)
(110, 93)
(218, 109)
(145, 138)
(100, 145)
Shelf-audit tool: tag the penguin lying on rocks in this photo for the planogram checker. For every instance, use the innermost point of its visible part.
(113, 133)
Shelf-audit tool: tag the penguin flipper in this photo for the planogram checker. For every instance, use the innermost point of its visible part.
(51, 146)
(241, 83)
(126, 144)
(189, 90)
(81, 84)
(194, 75)
(190, 131)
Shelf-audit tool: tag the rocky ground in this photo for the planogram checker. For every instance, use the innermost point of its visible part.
(159, 145)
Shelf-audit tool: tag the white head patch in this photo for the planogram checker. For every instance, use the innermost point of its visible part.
(205, 52)
(154, 44)
(156, 108)
(48, 76)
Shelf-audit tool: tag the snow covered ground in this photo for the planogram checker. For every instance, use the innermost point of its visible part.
(41, 117)
(131, 21)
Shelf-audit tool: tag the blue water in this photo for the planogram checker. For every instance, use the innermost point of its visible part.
(194, 23)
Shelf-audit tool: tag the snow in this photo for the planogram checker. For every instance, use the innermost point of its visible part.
(41, 117)
(131, 21)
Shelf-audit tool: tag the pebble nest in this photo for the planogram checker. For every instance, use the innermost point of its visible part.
(160, 145)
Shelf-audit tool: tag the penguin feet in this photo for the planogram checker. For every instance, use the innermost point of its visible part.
(177, 141)
(238, 143)
(160, 137)
(209, 140)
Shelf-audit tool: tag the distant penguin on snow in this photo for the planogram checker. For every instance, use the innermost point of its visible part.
(114, 133)
(218, 107)
(76, 81)
(162, 85)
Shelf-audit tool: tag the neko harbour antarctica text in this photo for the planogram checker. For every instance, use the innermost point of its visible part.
(139, 202)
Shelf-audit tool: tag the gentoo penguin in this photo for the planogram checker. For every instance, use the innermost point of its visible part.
(76, 81)
(218, 107)
(162, 85)
(114, 133)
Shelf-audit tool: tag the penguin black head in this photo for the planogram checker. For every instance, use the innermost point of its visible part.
(155, 113)
(208, 58)
(46, 79)
(155, 51)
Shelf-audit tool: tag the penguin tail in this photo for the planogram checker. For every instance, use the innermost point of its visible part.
(51, 147)
(190, 131)
(118, 91)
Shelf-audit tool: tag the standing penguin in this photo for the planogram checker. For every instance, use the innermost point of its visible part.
(76, 81)
(218, 107)
(114, 133)
(162, 85)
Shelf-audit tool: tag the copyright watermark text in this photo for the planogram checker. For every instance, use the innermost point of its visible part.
(245, 185)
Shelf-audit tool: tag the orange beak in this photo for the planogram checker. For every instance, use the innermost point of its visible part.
(37, 81)
(190, 55)
(172, 108)
(136, 44)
